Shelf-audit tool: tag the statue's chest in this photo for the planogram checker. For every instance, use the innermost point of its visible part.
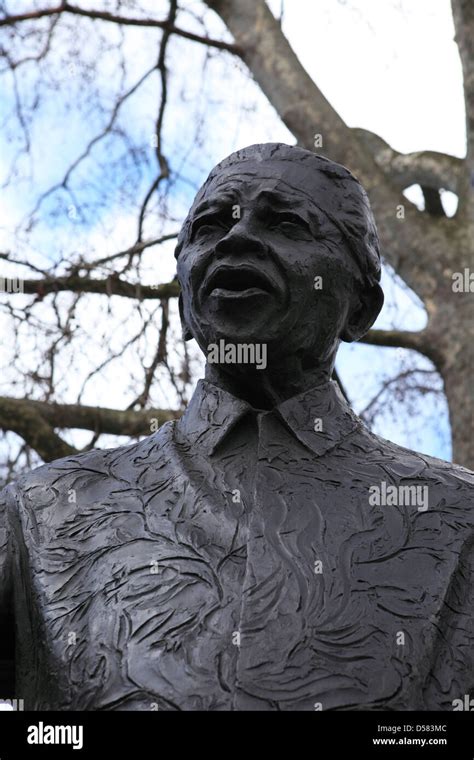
(197, 606)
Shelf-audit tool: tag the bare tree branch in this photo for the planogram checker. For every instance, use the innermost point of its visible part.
(35, 422)
(162, 161)
(137, 248)
(415, 341)
(432, 198)
(25, 419)
(413, 374)
(64, 184)
(111, 286)
(64, 8)
(427, 168)
(159, 358)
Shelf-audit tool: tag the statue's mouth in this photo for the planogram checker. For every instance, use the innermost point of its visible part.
(239, 281)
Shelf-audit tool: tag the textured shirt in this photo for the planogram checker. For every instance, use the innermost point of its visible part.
(240, 559)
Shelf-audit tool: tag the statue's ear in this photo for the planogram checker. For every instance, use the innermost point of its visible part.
(363, 315)
(186, 331)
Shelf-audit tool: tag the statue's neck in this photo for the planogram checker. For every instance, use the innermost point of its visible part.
(266, 388)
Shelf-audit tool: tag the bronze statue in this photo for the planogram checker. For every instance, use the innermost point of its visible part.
(266, 551)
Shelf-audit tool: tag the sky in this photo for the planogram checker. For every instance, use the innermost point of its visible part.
(389, 66)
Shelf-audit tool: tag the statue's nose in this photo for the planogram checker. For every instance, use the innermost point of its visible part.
(240, 240)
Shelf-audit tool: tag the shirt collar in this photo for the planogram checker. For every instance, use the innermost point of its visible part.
(319, 418)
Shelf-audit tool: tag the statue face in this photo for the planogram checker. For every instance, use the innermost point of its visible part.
(263, 264)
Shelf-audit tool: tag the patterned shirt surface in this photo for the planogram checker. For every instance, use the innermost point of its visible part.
(244, 559)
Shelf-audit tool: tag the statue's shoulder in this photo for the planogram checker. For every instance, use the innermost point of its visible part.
(451, 481)
(89, 477)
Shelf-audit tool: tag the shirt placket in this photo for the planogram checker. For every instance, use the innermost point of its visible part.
(278, 584)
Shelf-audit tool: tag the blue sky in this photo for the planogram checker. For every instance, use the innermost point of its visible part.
(390, 67)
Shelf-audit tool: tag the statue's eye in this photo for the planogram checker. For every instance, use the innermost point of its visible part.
(288, 222)
(208, 224)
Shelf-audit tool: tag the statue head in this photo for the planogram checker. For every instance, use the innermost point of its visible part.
(279, 248)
